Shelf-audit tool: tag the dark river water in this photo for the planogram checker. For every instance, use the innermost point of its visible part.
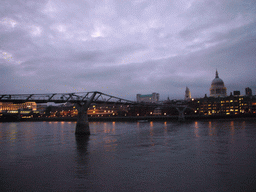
(216, 155)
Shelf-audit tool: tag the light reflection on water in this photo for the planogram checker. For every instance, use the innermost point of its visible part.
(162, 156)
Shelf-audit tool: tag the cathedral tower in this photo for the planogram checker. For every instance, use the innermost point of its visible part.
(187, 94)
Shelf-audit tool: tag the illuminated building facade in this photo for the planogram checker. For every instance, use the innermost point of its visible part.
(107, 110)
(231, 105)
(41, 108)
(150, 98)
(20, 110)
(7, 106)
(95, 110)
(218, 88)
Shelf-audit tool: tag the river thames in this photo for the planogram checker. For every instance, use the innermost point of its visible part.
(209, 155)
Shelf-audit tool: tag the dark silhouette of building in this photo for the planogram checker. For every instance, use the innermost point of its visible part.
(236, 93)
(248, 91)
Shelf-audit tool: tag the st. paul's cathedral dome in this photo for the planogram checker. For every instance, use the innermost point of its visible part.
(218, 88)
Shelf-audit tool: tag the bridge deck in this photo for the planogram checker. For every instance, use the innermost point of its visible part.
(63, 98)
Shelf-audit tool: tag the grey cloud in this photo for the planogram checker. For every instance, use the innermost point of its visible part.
(104, 56)
(15, 8)
(142, 47)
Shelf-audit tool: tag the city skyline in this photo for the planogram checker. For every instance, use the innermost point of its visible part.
(123, 48)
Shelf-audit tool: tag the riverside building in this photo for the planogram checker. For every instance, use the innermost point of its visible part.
(20, 110)
(230, 105)
(220, 104)
(7, 106)
(149, 98)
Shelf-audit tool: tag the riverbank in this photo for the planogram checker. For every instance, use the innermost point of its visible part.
(138, 118)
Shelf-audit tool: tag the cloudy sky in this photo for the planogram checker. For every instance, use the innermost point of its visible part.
(125, 47)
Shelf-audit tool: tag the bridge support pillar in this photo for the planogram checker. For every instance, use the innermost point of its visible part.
(181, 113)
(19, 115)
(82, 125)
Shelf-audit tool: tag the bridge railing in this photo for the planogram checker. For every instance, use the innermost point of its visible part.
(99, 97)
(63, 97)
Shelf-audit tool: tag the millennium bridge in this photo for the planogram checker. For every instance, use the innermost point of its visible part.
(82, 101)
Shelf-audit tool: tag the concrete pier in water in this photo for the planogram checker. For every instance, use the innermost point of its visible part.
(82, 125)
